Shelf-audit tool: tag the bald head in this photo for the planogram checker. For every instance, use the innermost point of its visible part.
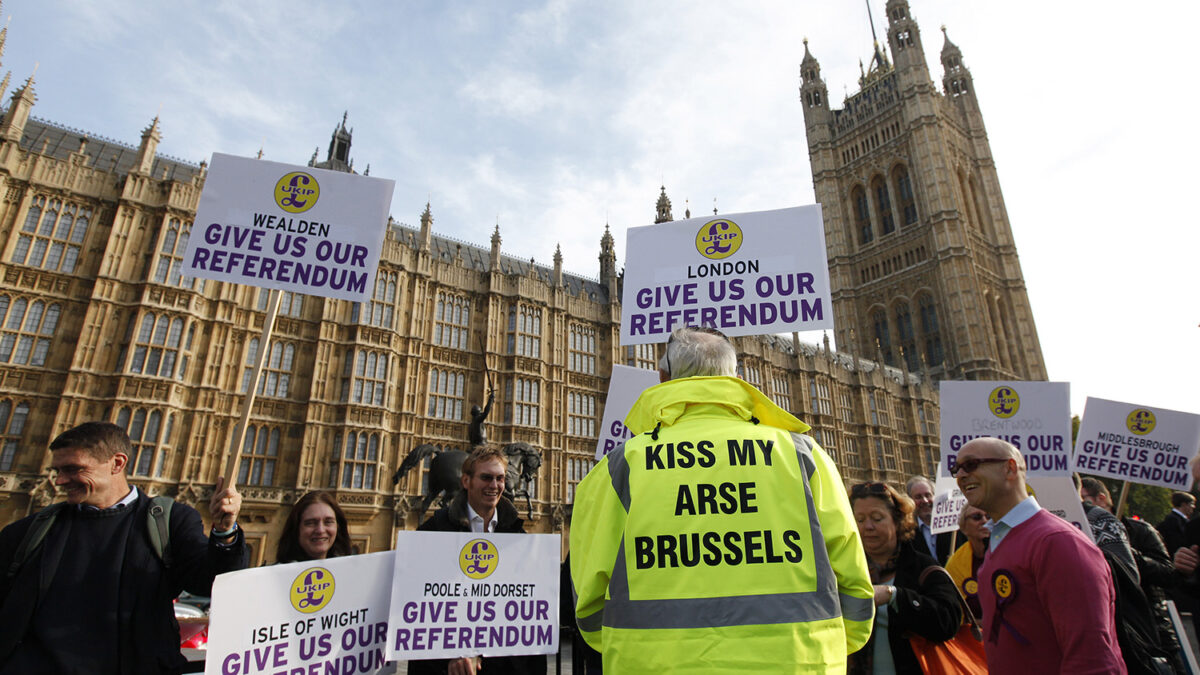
(991, 474)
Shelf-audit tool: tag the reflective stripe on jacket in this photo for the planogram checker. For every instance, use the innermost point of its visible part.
(718, 539)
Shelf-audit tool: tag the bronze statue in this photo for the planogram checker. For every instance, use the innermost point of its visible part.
(444, 471)
(476, 433)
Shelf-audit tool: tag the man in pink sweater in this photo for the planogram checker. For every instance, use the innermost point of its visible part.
(1046, 592)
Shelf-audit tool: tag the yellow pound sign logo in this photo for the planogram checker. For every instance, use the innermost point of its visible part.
(297, 192)
(478, 559)
(719, 239)
(1003, 586)
(1140, 422)
(1004, 402)
(312, 590)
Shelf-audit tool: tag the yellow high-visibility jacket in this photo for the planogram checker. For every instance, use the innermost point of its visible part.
(718, 539)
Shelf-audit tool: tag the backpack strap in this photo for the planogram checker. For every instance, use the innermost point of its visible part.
(42, 522)
(158, 526)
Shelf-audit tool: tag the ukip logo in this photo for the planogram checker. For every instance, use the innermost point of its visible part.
(297, 192)
(1004, 402)
(312, 589)
(479, 558)
(1140, 422)
(719, 239)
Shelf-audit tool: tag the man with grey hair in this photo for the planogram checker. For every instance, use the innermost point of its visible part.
(719, 538)
(939, 546)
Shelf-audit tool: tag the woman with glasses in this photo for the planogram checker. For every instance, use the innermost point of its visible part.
(912, 595)
(964, 564)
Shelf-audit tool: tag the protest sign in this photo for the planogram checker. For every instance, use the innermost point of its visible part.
(466, 594)
(946, 508)
(744, 274)
(1137, 443)
(298, 229)
(1057, 494)
(1033, 416)
(316, 616)
(624, 386)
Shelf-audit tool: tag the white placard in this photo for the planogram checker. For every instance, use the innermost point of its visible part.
(743, 274)
(289, 227)
(1033, 416)
(1137, 443)
(946, 508)
(317, 616)
(625, 385)
(1057, 494)
(466, 594)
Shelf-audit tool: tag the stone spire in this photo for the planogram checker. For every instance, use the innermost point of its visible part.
(151, 137)
(13, 126)
(662, 209)
(956, 79)
(338, 157)
(608, 261)
(558, 273)
(426, 228)
(495, 262)
(904, 37)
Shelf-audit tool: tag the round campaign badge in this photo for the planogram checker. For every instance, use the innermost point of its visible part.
(971, 586)
(479, 558)
(297, 192)
(312, 589)
(1003, 584)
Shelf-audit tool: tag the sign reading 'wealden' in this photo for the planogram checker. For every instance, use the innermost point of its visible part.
(298, 229)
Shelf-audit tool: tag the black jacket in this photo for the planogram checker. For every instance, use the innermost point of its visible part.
(1172, 529)
(931, 610)
(455, 518)
(1157, 574)
(148, 634)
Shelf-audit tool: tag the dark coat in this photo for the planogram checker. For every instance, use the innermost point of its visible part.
(1157, 574)
(1173, 531)
(148, 634)
(455, 518)
(944, 543)
(931, 610)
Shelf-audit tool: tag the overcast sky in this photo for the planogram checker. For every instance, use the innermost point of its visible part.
(555, 118)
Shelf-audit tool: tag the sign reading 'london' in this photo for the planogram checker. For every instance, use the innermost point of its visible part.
(293, 228)
(743, 273)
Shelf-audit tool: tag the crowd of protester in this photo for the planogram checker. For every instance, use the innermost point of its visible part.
(816, 579)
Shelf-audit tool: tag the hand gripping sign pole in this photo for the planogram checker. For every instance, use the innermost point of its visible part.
(260, 359)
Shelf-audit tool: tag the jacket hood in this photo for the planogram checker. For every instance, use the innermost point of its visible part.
(665, 403)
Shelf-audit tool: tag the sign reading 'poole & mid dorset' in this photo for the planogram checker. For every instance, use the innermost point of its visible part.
(744, 274)
(293, 228)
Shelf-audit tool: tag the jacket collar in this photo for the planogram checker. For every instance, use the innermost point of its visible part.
(506, 513)
(717, 396)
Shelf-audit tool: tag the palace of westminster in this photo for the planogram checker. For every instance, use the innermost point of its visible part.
(96, 321)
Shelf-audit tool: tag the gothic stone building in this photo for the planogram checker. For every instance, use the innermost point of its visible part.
(96, 321)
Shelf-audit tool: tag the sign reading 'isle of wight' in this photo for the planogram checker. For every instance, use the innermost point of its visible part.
(1033, 416)
(1137, 443)
(744, 274)
(294, 228)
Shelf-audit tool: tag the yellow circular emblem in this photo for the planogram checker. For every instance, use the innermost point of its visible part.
(312, 589)
(297, 192)
(1003, 585)
(1004, 402)
(719, 239)
(1140, 422)
(971, 586)
(479, 558)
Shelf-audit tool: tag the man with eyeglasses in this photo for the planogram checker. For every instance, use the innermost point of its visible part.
(719, 538)
(479, 507)
(1040, 578)
(83, 588)
(938, 546)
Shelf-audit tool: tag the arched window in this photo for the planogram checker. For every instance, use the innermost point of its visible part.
(52, 235)
(259, 454)
(27, 330)
(148, 440)
(446, 394)
(862, 215)
(883, 338)
(904, 196)
(908, 342)
(12, 425)
(930, 331)
(451, 321)
(360, 458)
(883, 205)
(156, 350)
(170, 256)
